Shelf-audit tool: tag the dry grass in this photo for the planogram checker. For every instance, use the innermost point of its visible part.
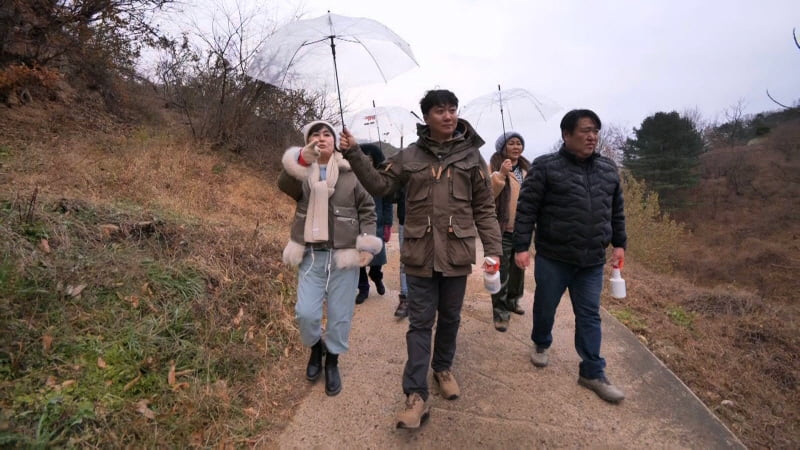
(179, 252)
(726, 321)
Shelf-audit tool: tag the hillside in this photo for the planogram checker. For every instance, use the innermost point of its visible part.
(142, 298)
(726, 320)
(144, 303)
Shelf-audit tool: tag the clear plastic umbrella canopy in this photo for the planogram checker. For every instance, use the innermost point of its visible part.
(504, 110)
(332, 51)
(509, 108)
(393, 124)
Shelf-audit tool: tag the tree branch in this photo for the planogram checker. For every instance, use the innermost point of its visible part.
(777, 102)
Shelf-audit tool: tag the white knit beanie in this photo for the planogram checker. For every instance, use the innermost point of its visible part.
(307, 130)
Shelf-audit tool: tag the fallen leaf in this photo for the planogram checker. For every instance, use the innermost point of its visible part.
(101, 363)
(171, 374)
(250, 412)
(76, 290)
(132, 382)
(44, 246)
(67, 383)
(286, 351)
(47, 343)
(109, 229)
(150, 306)
(134, 300)
(51, 381)
(238, 319)
(180, 386)
(143, 408)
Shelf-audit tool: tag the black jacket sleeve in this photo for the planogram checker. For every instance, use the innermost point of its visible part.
(530, 201)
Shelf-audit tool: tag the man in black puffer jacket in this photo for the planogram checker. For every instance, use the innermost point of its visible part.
(572, 199)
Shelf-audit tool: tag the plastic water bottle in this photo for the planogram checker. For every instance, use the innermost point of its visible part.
(617, 284)
(491, 275)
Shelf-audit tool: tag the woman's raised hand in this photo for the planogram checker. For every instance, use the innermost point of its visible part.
(347, 140)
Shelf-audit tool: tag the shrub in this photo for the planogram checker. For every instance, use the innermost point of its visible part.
(652, 235)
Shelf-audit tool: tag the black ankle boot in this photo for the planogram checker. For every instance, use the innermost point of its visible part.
(314, 368)
(333, 383)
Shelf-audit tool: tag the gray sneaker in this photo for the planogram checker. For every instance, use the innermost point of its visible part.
(539, 356)
(603, 388)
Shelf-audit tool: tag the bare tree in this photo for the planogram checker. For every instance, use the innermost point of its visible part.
(735, 122)
(611, 141)
(205, 74)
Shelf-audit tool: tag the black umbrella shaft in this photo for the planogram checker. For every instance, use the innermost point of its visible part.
(502, 118)
(336, 75)
(377, 125)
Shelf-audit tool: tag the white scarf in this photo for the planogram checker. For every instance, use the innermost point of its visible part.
(316, 226)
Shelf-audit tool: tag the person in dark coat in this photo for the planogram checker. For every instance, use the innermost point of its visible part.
(572, 199)
(383, 230)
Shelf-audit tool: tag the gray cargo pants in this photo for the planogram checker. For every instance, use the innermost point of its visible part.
(426, 297)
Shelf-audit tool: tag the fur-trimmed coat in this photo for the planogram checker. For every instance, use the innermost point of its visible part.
(351, 213)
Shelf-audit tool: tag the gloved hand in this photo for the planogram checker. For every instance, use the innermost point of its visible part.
(310, 153)
(364, 258)
(387, 233)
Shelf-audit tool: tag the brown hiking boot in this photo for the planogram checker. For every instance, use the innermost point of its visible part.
(500, 325)
(447, 384)
(402, 307)
(603, 388)
(414, 412)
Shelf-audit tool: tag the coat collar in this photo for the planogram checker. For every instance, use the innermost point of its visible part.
(300, 172)
(573, 158)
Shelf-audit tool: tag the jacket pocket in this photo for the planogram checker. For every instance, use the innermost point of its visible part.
(461, 242)
(345, 226)
(418, 187)
(461, 181)
(417, 248)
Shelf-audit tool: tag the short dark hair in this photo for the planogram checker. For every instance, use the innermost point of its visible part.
(570, 120)
(437, 97)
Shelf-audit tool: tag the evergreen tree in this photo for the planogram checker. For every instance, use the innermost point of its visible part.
(665, 153)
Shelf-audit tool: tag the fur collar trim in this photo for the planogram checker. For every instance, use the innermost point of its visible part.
(293, 168)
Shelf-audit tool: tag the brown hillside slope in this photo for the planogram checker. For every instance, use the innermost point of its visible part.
(746, 214)
(211, 219)
(727, 322)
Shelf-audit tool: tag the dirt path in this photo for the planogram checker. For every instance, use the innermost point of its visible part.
(505, 401)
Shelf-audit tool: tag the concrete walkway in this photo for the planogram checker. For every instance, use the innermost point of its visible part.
(505, 401)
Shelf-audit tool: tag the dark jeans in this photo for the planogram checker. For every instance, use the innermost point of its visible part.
(426, 297)
(512, 279)
(375, 274)
(584, 284)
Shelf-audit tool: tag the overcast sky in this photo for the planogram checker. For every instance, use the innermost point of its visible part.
(625, 60)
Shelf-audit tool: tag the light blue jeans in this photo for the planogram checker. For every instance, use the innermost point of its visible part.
(319, 280)
(403, 283)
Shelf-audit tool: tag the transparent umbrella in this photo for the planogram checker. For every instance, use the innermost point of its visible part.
(332, 50)
(507, 106)
(384, 124)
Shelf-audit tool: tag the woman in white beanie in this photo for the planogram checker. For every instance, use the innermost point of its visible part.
(332, 235)
(508, 169)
